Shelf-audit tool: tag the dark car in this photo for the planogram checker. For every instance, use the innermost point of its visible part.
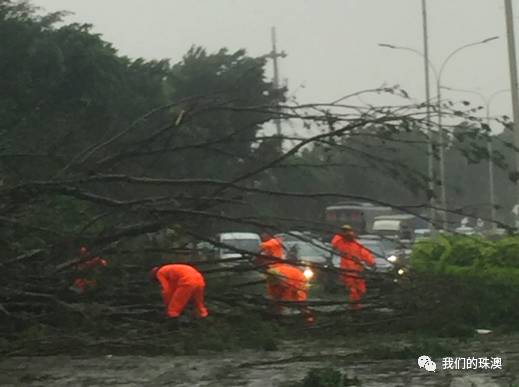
(314, 257)
(390, 257)
(388, 267)
(377, 250)
(390, 249)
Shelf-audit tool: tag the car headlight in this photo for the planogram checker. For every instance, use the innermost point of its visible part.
(392, 258)
(308, 273)
(401, 271)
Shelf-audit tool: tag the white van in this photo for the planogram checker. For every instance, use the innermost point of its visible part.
(395, 226)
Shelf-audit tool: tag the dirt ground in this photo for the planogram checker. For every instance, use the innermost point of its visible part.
(357, 357)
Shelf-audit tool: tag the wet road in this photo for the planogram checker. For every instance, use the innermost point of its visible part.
(262, 368)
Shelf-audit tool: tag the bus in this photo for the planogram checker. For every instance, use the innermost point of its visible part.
(359, 215)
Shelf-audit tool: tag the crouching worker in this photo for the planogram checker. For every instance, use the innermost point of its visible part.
(180, 284)
(286, 282)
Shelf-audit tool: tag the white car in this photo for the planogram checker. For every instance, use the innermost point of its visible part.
(236, 245)
(246, 241)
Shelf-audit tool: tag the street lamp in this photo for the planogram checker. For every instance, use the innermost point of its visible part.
(417, 52)
(488, 103)
(438, 76)
(443, 190)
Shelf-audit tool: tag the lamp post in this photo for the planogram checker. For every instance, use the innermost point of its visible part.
(441, 139)
(430, 162)
(430, 141)
(438, 76)
(514, 82)
(491, 183)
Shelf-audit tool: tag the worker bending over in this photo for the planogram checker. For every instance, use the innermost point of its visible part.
(286, 282)
(180, 284)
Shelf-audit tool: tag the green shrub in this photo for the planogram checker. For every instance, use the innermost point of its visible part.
(505, 254)
(426, 255)
(464, 251)
(472, 281)
(438, 255)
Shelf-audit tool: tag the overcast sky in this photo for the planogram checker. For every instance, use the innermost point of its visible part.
(332, 45)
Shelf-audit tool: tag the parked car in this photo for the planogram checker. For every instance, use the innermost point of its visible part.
(377, 248)
(312, 251)
(237, 244)
(314, 257)
(297, 236)
(388, 256)
(386, 248)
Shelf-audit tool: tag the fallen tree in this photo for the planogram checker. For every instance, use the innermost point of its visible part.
(141, 189)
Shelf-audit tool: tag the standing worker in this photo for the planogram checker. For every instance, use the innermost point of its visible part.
(353, 254)
(180, 284)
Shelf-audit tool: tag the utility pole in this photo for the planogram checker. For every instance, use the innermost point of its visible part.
(514, 84)
(491, 183)
(491, 172)
(441, 146)
(274, 55)
(441, 134)
(430, 149)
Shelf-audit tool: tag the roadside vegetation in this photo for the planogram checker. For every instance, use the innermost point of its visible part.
(479, 277)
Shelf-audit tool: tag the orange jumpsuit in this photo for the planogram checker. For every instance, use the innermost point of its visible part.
(286, 283)
(180, 284)
(352, 253)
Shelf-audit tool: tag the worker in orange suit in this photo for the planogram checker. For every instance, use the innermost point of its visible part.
(353, 255)
(286, 282)
(270, 247)
(82, 284)
(180, 284)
